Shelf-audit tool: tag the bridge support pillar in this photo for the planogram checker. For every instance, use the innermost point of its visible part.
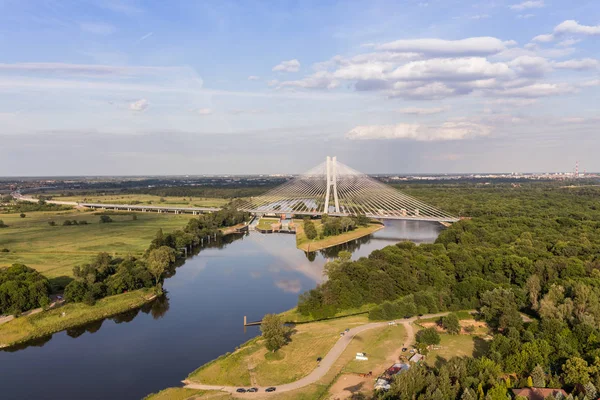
(331, 184)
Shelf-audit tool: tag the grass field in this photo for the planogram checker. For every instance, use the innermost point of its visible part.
(294, 316)
(455, 346)
(381, 346)
(55, 250)
(304, 244)
(248, 365)
(266, 223)
(70, 315)
(146, 199)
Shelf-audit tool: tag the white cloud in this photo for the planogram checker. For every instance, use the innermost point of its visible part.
(530, 65)
(450, 130)
(476, 46)
(253, 78)
(537, 90)
(593, 82)
(512, 102)
(568, 42)
(205, 111)
(97, 28)
(585, 63)
(318, 80)
(422, 111)
(471, 68)
(527, 5)
(139, 106)
(430, 91)
(544, 38)
(525, 16)
(287, 66)
(571, 26)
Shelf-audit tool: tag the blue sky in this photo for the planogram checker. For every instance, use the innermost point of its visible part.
(201, 87)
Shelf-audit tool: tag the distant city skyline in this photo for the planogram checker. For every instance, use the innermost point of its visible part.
(120, 87)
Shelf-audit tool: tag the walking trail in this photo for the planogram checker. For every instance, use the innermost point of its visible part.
(327, 361)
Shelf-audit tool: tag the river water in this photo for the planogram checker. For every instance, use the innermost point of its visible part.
(144, 351)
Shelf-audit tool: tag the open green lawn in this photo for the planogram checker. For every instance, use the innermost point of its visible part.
(70, 315)
(303, 243)
(248, 365)
(266, 223)
(456, 346)
(55, 250)
(146, 199)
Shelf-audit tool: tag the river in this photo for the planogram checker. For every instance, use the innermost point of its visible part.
(144, 351)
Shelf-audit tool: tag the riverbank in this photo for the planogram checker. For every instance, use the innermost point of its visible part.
(71, 315)
(307, 245)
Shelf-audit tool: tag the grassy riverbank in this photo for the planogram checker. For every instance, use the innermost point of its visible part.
(71, 315)
(267, 223)
(185, 394)
(305, 244)
(253, 364)
(55, 250)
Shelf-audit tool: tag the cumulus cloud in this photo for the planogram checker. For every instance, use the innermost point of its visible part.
(591, 83)
(287, 66)
(585, 63)
(476, 46)
(468, 68)
(253, 78)
(205, 111)
(569, 27)
(527, 5)
(530, 66)
(450, 130)
(318, 80)
(422, 111)
(139, 105)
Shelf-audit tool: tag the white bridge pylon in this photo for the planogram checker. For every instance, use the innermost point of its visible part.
(336, 189)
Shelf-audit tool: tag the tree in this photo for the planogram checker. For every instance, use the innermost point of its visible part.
(538, 377)
(451, 323)
(51, 223)
(309, 229)
(2, 224)
(158, 261)
(275, 333)
(104, 219)
(428, 336)
(500, 310)
(529, 381)
(534, 288)
(576, 371)
(22, 215)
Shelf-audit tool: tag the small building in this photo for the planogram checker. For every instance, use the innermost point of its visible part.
(417, 358)
(539, 393)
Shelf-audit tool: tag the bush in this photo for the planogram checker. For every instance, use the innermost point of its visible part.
(67, 223)
(309, 229)
(22, 215)
(451, 323)
(428, 336)
(51, 223)
(5, 250)
(104, 219)
(21, 289)
(84, 222)
(2, 224)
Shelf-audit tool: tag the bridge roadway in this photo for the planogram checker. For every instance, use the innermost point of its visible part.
(199, 210)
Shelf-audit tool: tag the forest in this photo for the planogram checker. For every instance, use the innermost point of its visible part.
(533, 249)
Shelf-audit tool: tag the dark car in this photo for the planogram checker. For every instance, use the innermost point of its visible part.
(270, 389)
(404, 349)
(252, 390)
(319, 359)
(406, 316)
(241, 390)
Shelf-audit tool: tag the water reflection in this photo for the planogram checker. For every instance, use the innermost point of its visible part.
(198, 319)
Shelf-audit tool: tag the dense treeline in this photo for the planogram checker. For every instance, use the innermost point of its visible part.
(26, 206)
(21, 289)
(225, 192)
(534, 249)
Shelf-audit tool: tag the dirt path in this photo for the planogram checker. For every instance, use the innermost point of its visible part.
(327, 361)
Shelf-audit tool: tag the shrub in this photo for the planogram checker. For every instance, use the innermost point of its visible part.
(67, 223)
(2, 224)
(51, 223)
(84, 222)
(104, 219)
(22, 215)
(428, 336)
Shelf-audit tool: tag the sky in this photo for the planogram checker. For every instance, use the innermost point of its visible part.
(115, 87)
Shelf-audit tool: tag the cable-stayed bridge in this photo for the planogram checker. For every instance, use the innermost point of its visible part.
(330, 188)
(335, 189)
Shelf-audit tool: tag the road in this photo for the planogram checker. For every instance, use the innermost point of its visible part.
(328, 361)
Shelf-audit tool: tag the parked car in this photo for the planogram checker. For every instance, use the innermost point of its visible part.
(241, 390)
(319, 359)
(404, 349)
(270, 389)
(252, 390)
(347, 330)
